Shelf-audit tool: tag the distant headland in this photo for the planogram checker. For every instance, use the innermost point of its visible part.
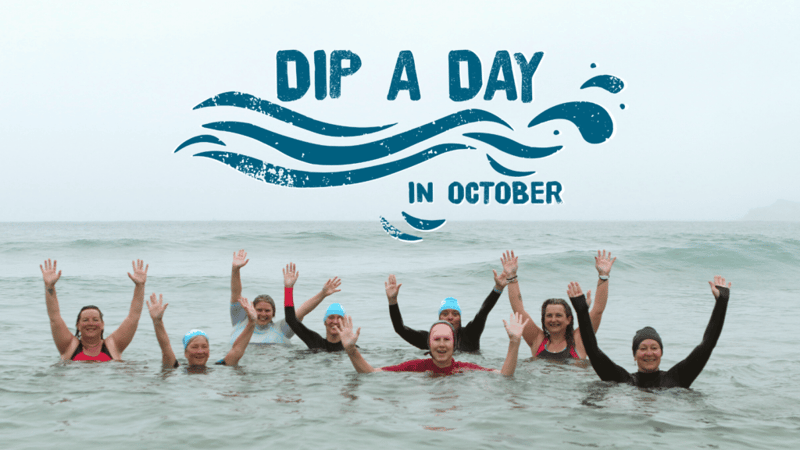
(781, 210)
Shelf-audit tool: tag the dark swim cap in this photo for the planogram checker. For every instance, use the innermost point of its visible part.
(644, 334)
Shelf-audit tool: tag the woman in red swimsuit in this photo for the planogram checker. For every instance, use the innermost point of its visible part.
(558, 340)
(88, 343)
(441, 344)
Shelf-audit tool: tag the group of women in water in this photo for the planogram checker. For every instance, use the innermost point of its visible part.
(254, 322)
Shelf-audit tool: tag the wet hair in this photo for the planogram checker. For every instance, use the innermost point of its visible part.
(569, 333)
(78, 320)
(265, 298)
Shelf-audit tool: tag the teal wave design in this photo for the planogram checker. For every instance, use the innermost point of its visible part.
(423, 224)
(283, 176)
(392, 231)
(353, 154)
(253, 103)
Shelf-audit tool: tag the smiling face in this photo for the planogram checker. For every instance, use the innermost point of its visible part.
(264, 313)
(90, 324)
(452, 316)
(441, 343)
(556, 319)
(648, 356)
(330, 321)
(197, 351)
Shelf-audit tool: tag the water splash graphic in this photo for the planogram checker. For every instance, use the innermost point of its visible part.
(397, 234)
(422, 224)
(608, 82)
(592, 120)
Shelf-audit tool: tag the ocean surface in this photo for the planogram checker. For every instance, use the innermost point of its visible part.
(748, 396)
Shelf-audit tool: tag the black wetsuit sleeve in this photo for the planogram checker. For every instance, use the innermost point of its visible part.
(470, 336)
(312, 339)
(602, 364)
(685, 372)
(417, 338)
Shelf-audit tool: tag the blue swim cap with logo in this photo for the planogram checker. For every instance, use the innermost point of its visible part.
(336, 309)
(449, 303)
(191, 335)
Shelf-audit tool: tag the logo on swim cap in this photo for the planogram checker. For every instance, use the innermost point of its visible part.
(334, 309)
(449, 303)
(191, 335)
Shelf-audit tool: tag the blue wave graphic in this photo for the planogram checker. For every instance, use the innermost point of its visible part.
(247, 101)
(197, 139)
(397, 234)
(282, 176)
(608, 82)
(340, 155)
(422, 224)
(506, 171)
(592, 120)
(513, 147)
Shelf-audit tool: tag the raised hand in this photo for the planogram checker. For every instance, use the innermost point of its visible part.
(603, 263)
(249, 309)
(718, 281)
(574, 289)
(501, 280)
(240, 259)
(509, 262)
(392, 288)
(49, 273)
(514, 326)
(331, 286)
(345, 330)
(139, 272)
(157, 307)
(290, 275)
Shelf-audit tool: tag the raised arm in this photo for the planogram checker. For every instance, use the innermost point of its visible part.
(417, 338)
(331, 287)
(311, 339)
(122, 336)
(157, 308)
(602, 263)
(473, 330)
(61, 334)
(514, 328)
(602, 364)
(239, 260)
(531, 333)
(687, 370)
(349, 342)
(240, 345)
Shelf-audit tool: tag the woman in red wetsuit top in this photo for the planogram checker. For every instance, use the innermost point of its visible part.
(88, 343)
(441, 343)
(558, 340)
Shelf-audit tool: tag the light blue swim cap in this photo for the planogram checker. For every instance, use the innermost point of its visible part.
(191, 335)
(335, 308)
(449, 303)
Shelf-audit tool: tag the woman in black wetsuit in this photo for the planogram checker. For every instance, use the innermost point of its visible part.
(332, 342)
(647, 346)
(467, 337)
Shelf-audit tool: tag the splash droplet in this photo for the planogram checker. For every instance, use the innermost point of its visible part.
(622, 106)
(594, 65)
(556, 132)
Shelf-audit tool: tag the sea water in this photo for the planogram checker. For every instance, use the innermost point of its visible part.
(747, 396)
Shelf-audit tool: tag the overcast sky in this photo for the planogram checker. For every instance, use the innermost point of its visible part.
(96, 96)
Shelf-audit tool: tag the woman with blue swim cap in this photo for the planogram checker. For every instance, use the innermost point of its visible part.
(268, 331)
(333, 317)
(467, 338)
(195, 342)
